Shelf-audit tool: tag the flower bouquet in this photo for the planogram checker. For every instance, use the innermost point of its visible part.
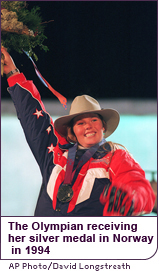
(21, 29)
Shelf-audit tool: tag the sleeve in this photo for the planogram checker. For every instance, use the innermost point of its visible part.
(127, 175)
(36, 122)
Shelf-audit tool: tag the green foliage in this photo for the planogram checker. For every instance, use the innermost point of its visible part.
(13, 5)
(33, 20)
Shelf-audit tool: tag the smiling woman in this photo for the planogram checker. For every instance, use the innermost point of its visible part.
(102, 180)
(88, 129)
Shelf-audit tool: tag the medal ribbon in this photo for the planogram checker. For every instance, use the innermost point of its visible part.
(71, 158)
(61, 98)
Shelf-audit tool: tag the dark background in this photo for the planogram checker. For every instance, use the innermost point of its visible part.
(103, 49)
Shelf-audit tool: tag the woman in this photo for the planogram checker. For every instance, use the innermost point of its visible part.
(83, 175)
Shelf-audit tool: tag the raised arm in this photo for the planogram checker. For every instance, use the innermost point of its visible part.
(36, 122)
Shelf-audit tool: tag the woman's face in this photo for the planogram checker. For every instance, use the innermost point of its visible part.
(88, 129)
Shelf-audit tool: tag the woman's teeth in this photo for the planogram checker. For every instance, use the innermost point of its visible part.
(89, 135)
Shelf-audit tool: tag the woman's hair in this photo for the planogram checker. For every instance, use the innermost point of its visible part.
(116, 146)
(71, 135)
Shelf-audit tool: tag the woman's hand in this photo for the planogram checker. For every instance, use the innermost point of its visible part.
(8, 62)
(117, 201)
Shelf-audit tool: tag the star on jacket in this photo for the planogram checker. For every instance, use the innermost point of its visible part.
(51, 148)
(48, 129)
(38, 113)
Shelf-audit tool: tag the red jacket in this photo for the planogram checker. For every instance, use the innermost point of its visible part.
(114, 168)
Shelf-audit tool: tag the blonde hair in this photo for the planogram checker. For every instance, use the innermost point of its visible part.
(117, 146)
